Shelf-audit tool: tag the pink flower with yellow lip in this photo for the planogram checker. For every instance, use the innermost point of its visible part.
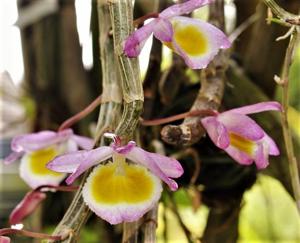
(240, 136)
(37, 149)
(119, 190)
(195, 40)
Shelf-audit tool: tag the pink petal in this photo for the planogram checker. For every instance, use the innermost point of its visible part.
(163, 30)
(239, 156)
(4, 239)
(135, 42)
(216, 131)
(12, 157)
(28, 204)
(259, 107)
(87, 160)
(83, 142)
(40, 140)
(216, 40)
(142, 157)
(183, 8)
(272, 147)
(67, 163)
(169, 166)
(261, 157)
(241, 125)
(123, 149)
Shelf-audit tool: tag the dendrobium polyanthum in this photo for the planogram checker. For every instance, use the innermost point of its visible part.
(37, 149)
(240, 136)
(196, 41)
(120, 190)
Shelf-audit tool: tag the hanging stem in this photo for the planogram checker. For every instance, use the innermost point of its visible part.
(177, 117)
(137, 22)
(293, 166)
(8, 231)
(69, 122)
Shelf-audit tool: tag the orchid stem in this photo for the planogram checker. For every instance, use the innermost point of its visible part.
(57, 188)
(109, 115)
(121, 14)
(137, 22)
(293, 166)
(69, 122)
(8, 231)
(177, 117)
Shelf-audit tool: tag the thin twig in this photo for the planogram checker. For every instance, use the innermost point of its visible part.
(77, 117)
(177, 117)
(8, 231)
(242, 27)
(137, 22)
(293, 166)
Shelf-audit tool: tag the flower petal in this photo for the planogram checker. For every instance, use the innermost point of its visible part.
(12, 157)
(241, 125)
(169, 166)
(85, 160)
(239, 156)
(40, 140)
(259, 107)
(28, 204)
(135, 42)
(142, 157)
(216, 131)
(33, 168)
(183, 8)
(121, 198)
(261, 157)
(4, 239)
(197, 41)
(83, 142)
(123, 149)
(272, 147)
(163, 30)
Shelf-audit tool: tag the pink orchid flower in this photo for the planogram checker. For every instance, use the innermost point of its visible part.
(240, 136)
(195, 40)
(120, 191)
(37, 149)
(29, 203)
(4, 239)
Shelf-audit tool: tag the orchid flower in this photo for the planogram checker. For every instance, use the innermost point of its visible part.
(4, 239)
(37, 149)
(240, 136)
(120, 191)
(195, 40)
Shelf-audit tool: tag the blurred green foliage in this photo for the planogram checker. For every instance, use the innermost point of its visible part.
(269, 214)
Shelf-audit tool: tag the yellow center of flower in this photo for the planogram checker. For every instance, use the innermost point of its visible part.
(39, 159)
(120, 182)
(243, 144)
(190, 39)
